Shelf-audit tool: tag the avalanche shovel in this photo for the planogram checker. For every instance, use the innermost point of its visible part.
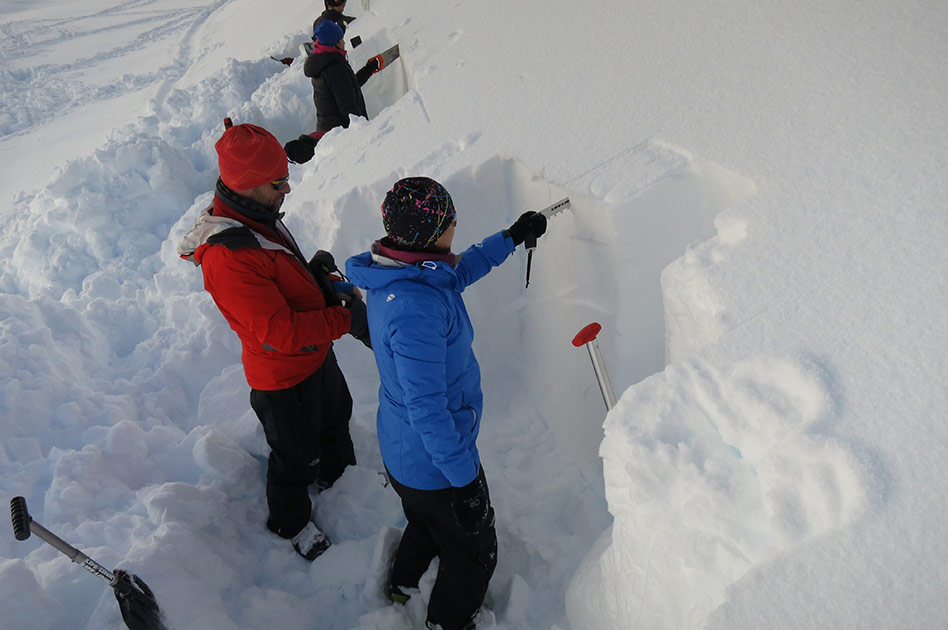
(136, 601)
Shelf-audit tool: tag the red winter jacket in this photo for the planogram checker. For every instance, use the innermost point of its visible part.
(262, 286)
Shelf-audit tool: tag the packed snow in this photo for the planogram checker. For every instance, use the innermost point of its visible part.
(758, 222)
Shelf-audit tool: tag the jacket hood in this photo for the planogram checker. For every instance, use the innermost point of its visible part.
(373, 271)
(319, 61)
(207, 226)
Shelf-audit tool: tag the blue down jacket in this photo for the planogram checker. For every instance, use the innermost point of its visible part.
(430, 397)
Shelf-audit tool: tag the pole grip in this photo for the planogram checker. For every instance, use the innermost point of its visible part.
(20, 516)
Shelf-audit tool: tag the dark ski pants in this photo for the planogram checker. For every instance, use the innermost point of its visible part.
(466, 562)
(307, 428)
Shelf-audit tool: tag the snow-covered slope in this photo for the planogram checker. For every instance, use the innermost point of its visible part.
(758, 222)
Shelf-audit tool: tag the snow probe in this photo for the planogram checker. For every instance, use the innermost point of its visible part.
(136, 600)
(530, 242)
(587, 337)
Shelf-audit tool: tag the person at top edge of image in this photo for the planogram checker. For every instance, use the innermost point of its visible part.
(337, 90)
(333, 13)
(430, 399)
(287, 312)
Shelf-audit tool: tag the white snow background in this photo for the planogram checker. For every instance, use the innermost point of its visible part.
(759, 222)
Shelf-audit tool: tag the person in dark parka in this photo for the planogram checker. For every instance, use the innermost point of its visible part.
(337, 90)
(333, 13)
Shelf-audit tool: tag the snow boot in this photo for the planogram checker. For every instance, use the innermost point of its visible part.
(396, 595)
(310, 542)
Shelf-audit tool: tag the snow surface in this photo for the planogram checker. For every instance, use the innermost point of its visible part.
(758, 222)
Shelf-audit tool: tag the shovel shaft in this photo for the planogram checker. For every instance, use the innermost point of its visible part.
(24, 525)
(72, 553)
(136, 601)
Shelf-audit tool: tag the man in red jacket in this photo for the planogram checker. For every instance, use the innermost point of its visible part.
(286, 312)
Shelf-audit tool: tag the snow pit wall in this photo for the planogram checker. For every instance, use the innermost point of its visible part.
(555, 387)
(708, 472)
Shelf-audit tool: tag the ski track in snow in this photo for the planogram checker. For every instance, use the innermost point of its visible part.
(65, 82)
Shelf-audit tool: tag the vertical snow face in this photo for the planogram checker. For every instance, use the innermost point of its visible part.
(695, 314)
(394, 80)
(676, 203)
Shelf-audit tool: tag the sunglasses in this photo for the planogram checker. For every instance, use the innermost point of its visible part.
(280, 183)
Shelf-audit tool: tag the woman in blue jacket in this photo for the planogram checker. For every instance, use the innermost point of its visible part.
(430, 397)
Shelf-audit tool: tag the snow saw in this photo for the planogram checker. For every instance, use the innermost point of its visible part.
(136, 601)
(530, 243)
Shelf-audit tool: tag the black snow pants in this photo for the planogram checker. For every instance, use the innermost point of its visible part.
(307, 428)
(466, 562)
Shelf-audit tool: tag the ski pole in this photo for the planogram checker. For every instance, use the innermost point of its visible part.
(530, 242)
(136, 601)
(587, 337)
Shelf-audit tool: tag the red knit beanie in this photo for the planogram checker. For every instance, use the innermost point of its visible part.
(249, 156)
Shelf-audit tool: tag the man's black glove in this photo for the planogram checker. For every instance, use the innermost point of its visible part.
(372, 65)
(359, 328)
(471, 506)
(323, 260)
(301, 150)
(530, 224)
(321, 265)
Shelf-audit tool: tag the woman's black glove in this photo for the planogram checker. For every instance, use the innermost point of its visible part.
(471, 505)
(366, 71)
(359, 328)
(530, 224)
(372, 65)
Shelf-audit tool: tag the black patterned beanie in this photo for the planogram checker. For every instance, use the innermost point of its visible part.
(416, 212)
